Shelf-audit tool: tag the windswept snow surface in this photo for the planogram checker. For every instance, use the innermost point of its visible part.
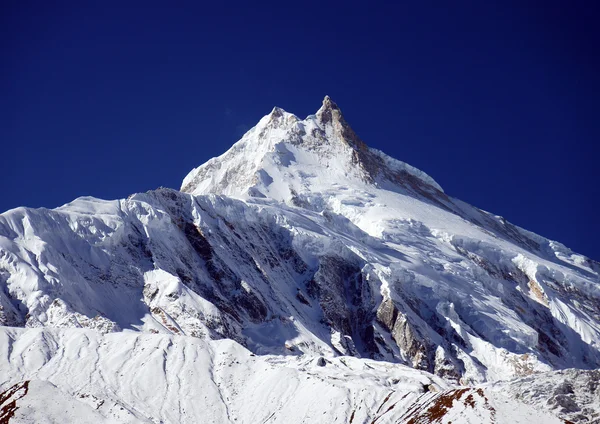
(73, 375)
(299, 243)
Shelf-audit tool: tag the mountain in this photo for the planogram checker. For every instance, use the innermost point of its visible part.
(300, 277)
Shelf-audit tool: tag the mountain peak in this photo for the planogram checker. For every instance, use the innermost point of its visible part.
(328, 103)
(277, 112)
(331, 115)
(284, 157)
(330, 112)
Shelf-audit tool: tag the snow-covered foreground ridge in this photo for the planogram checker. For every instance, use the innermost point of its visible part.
(299, 243)
(74, 375)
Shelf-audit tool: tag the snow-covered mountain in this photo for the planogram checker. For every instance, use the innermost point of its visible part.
(300, 277)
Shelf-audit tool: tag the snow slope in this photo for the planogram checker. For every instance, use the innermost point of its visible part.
(491, 283)
(572, 394)
(301, 243)
(142, 378)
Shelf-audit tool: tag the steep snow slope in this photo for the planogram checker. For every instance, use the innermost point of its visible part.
(301, 241)
(135, 378)
(506, 286)
(320, 164)
(283, 280)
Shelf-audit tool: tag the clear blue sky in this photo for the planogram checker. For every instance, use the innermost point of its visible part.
(498, 102)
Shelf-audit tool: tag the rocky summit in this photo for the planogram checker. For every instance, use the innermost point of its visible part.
(300, 277)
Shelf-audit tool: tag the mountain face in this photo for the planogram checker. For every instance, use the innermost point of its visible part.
(300, 277)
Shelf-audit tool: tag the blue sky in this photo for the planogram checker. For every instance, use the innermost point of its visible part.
(497, 102)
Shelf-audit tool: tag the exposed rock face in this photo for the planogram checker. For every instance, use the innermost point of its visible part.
(406, 336)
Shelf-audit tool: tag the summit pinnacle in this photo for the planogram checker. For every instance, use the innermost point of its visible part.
(329, 111)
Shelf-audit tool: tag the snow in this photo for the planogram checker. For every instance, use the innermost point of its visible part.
(41, 402)
(300, 245)
(79, 375)
(184, 379)
(572, 394)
